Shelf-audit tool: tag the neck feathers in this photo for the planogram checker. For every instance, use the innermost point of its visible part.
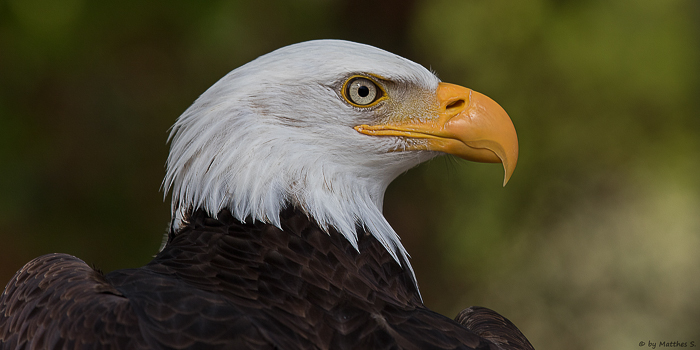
(310, 254)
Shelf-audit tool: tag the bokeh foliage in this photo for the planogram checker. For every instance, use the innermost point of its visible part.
(593, 244)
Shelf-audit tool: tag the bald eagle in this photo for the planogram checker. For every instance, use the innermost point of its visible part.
(277, 239)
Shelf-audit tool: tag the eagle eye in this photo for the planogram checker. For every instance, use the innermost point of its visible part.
(361, 91)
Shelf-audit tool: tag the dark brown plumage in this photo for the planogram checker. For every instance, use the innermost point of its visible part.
(222, 284)
(494, 327)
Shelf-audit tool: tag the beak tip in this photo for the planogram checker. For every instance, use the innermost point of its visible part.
(505, 179)
(508, 170)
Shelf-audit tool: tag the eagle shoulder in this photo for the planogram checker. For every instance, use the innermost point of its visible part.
(58, 301)
(493, 326)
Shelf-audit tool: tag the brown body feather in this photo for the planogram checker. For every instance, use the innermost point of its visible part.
(222, 284)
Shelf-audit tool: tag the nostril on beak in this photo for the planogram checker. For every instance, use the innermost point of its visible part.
(455, 106)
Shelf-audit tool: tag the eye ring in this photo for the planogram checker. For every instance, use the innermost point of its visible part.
(362, 91)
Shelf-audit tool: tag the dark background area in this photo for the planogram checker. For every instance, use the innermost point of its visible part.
(594, 243)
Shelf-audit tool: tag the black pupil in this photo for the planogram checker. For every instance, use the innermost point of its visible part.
(363, 91)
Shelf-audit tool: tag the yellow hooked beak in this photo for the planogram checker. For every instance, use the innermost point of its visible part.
(469, 125)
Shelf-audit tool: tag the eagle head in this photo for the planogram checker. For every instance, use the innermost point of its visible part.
(325, 126)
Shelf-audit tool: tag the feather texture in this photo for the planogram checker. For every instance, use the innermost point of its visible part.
(220, 283)
(494, 327)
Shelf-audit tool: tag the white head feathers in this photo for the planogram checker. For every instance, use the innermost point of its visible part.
(277, 132)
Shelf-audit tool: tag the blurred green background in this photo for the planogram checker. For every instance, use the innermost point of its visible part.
(594, 243)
